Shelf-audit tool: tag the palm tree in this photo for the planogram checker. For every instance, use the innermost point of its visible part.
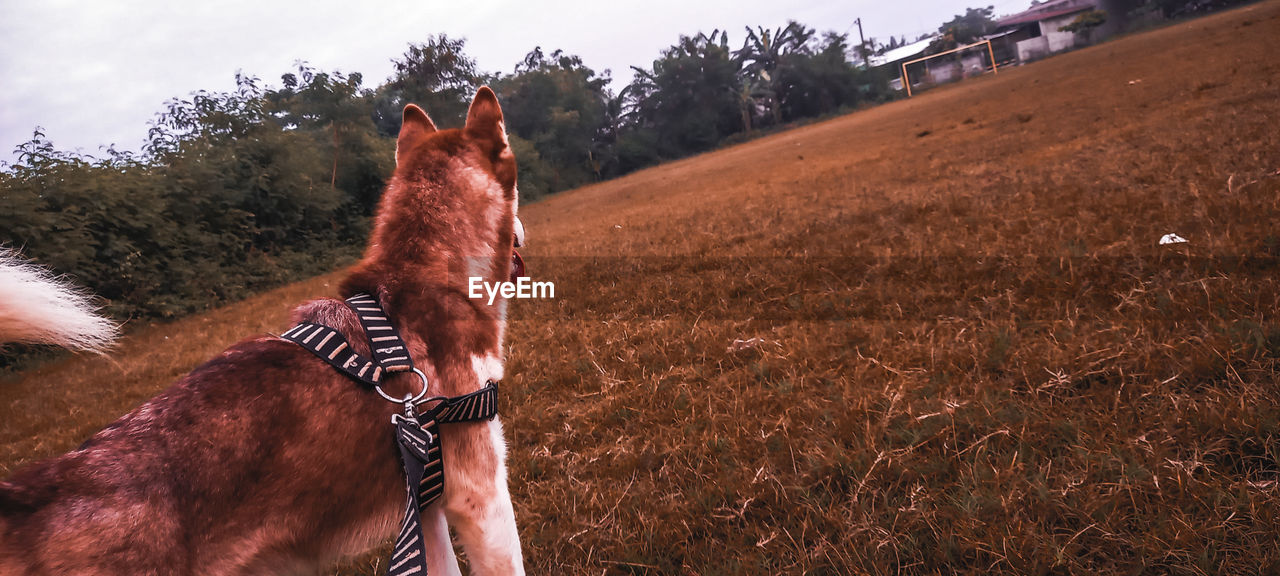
(761, 54)
(690, 95)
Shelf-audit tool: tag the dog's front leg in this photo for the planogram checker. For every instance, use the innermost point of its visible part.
(477, 502)
(435, 537)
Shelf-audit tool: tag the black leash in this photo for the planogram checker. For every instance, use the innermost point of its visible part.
(417, 435)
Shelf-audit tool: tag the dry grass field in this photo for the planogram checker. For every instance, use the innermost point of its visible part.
(937, 336)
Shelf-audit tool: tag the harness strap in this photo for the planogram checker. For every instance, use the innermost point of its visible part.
(419, 443)
(417, 436)
(479, 405)
(389, 350)
(332, 347)
(420, 454)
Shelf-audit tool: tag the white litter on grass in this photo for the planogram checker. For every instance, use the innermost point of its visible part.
(1171, 239)
(740, 345)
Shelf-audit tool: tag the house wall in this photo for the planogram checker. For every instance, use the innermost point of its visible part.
(1033, 49)
(1059, 41)
(944, 72)
(1006, 47)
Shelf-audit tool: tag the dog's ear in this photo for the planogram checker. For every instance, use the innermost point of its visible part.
(484, 118)
(415, 126)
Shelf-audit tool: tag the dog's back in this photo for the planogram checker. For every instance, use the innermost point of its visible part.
(183, 482)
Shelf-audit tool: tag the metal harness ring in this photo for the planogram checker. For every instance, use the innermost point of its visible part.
(406, 399)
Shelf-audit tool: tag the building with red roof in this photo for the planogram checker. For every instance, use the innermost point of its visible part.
(1037, 32)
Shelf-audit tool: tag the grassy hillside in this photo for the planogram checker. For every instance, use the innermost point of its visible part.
(935, 336)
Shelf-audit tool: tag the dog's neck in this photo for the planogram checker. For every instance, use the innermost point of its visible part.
(443, 219)
(422, 286)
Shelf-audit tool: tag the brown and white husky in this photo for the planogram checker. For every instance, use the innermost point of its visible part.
(266, 460)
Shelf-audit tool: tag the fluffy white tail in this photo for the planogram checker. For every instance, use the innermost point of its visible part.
(38, 308)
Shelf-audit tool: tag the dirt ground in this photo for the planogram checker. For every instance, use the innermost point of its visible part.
(937, 336)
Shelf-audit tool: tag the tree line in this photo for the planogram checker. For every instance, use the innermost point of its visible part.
(238, 191)
(233, 193)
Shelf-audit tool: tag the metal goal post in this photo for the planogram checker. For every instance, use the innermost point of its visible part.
(906, 81)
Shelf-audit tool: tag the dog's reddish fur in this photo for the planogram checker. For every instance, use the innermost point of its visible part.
(267, 460)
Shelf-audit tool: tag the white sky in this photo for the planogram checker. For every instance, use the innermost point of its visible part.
(93, 73)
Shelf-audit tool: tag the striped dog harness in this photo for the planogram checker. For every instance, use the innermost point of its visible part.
(417, 433)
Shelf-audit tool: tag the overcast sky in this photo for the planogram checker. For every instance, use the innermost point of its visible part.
(93, 73)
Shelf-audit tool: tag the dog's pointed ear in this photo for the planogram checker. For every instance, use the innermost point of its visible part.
(415, 126)
(484, 117)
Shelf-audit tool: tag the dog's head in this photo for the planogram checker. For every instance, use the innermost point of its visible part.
(450, 207)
